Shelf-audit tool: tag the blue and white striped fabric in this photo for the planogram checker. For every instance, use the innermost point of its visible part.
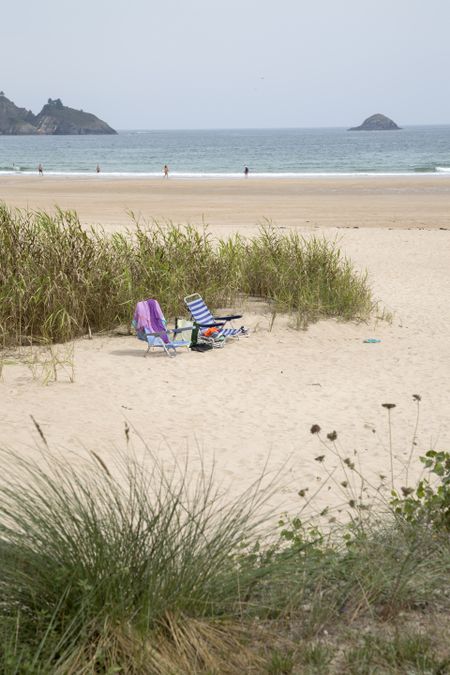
(200, 312)
(202, 316)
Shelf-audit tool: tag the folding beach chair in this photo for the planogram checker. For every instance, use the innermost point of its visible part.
(206, 321)
(151, 327)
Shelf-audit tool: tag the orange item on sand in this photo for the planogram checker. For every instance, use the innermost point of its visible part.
(210, 332)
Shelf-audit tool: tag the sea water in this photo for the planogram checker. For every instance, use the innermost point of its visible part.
(224, 153)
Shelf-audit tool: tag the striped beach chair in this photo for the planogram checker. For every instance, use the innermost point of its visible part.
(205, 320)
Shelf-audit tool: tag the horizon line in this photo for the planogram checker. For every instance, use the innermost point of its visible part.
(405, 126)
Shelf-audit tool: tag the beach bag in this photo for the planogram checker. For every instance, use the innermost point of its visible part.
(201, 347)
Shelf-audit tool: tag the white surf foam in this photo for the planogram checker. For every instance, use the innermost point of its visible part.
(223, 175)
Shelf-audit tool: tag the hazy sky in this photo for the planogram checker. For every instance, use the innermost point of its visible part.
(147, 64)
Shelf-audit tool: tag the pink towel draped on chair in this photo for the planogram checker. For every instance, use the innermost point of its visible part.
(148, 315)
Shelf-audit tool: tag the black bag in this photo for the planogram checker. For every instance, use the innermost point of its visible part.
(201, 347)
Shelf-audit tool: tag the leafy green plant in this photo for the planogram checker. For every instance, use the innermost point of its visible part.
(429, 502)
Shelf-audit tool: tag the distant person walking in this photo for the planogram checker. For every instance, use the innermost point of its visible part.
(41, 170)
(98, 168)
(166, 171)
(246, 171)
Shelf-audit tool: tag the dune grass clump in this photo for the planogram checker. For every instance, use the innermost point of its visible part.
(59, 281)
(306, 277)
(135, 571)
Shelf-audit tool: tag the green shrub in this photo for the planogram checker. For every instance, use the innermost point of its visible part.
(429, 502)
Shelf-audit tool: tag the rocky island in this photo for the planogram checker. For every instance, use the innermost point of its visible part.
(376, 122)
(54, 119)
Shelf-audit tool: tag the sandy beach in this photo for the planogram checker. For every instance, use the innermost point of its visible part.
(417, 201)
(252, 404)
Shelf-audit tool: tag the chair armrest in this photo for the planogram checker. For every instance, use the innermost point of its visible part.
(146, 331)
(180, 330)
(156, 333)
(228, 318)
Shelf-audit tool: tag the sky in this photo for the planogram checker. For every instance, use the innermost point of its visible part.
(201, 64)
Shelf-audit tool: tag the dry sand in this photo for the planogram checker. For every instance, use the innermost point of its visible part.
(255, 401)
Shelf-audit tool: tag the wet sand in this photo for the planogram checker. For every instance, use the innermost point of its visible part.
(240, 204)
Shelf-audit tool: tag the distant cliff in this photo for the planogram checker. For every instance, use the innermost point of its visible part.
(376, 122)
(14, 120)
(54, 119)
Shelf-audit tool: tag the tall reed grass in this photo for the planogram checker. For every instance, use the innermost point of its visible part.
(59, 281)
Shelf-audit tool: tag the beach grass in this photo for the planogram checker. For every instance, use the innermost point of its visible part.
(59, 281)
(121, 568)
(128, 564)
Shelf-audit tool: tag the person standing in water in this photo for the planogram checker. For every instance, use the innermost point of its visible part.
(246, 171)
(41, 170)
(166, 171)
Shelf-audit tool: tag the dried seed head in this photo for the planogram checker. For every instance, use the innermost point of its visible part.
(320, 458)
(332, 436)
(315, 429)
(407, 491)
(417, 397)
(389, 406)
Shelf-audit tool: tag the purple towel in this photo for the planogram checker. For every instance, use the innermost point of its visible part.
(157, 319)
(148, 315)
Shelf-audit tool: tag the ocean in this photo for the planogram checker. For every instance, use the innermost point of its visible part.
(225, 152)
